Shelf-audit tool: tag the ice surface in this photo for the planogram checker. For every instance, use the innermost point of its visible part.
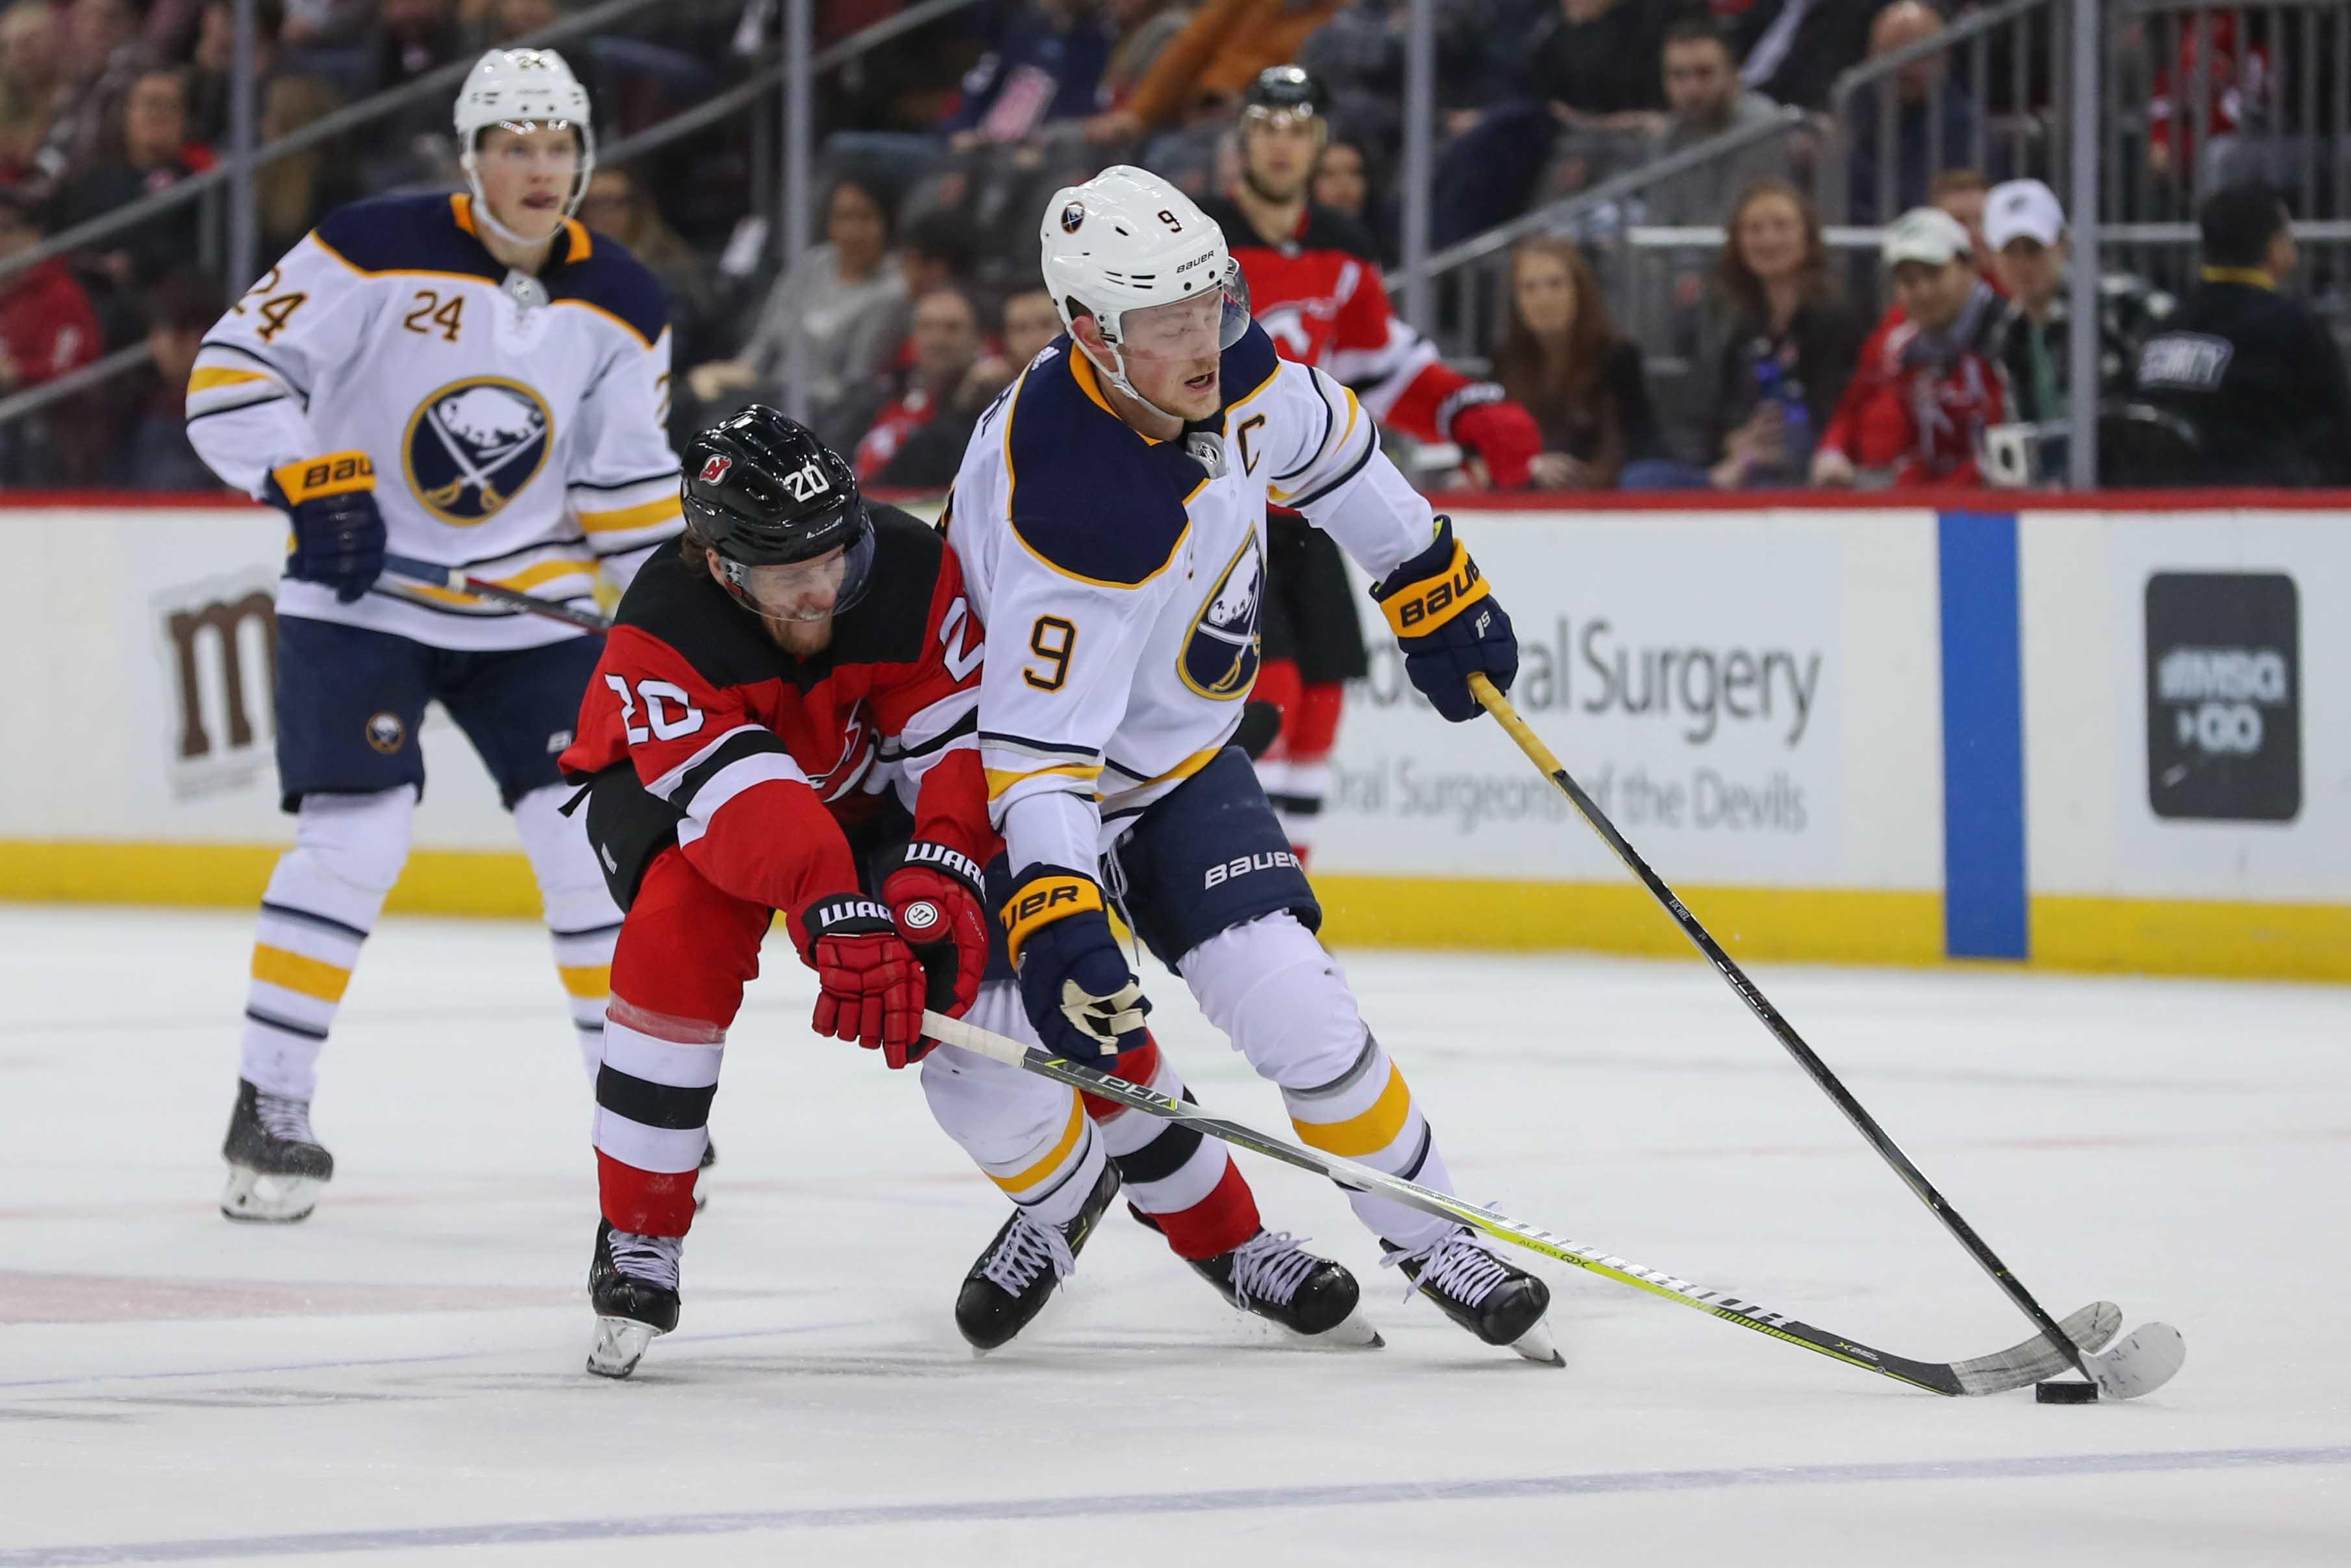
(400, 1377)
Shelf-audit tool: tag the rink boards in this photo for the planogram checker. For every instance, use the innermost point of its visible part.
(2106, 735)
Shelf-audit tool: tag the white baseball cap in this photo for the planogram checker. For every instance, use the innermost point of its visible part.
(1926, 233)
(2022, 209)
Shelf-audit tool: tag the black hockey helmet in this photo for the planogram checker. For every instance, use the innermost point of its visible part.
(762, 491)
(1285, 90)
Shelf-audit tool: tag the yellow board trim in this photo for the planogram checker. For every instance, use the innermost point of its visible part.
(1368, 1132)
(629, 517)
(2095, 934)
(312, 977)
(1045, 1167)
(589, 982)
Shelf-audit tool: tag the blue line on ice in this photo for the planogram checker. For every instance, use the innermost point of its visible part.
(1245, 1500)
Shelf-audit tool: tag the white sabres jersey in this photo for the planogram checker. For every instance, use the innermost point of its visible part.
(522, 443)
(1120, 578)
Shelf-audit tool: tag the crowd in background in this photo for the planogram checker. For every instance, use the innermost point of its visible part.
(916, 304)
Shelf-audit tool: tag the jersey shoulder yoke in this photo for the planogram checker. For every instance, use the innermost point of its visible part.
(601, 273)
(405, 233)
(1089, 497)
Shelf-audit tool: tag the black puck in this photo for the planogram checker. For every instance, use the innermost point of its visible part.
(2067, 1393)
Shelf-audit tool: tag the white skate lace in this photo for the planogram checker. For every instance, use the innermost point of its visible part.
(1270, 1267)
(1456, 1265)
(1027, 1247)
(653, 1258)
(283, 1116)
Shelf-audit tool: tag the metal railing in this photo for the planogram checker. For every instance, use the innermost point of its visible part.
(775, 74)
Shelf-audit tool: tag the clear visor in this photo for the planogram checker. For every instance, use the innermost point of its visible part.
(808, 590)
(1183, 331)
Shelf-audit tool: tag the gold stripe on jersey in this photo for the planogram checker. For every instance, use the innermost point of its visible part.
(539, 576)
(1021, 1181)
(1000, 781)
(1366, 1132)
(208, 378)
(652, 514)
(311, 976)
(1354, 412)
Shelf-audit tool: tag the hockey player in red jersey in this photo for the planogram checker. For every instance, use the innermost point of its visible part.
(816, 758)
(1317, 292)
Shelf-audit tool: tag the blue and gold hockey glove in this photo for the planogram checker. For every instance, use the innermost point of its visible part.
(1084, 1000)
(1449, 625)
(338, 532)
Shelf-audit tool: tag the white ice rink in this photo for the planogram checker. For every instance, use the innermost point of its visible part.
(400, 1379)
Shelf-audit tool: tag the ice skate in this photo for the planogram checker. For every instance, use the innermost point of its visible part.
(1499, 1302)
(275, 1167)
(1010, 1283)
(1273, 1277)
(702, 1174)
(632, 1285)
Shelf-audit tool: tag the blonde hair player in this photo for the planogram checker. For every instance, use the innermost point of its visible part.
(468, 381)
(1109, 516)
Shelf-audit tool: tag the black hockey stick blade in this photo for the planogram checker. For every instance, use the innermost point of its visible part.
(2015, 1367)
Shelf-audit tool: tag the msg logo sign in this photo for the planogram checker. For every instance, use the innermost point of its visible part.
(2223, 698)
(219, 645)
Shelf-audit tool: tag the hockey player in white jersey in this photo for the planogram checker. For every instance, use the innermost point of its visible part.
(477, 382)
(1110, 514)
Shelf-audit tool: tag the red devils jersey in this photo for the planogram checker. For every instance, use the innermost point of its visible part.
(1320, 299)
(766, 756)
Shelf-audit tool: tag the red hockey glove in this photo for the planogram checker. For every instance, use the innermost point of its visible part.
(1503, 433)
(871, 983)
(942, 915)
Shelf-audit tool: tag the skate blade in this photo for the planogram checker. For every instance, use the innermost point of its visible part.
(1353, 1333)
(257, 1197)
(1536, 1344)
(621, 1343)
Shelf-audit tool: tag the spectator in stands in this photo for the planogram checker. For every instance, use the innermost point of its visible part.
(155, 155)
(321, 23)
(938, 253)
(292, 192)
(845, 299)
(31, 78)
(1704, 99)
(1145, 28)
(1565, 359)
(2025, 227)
(47, 326)
(2256, 374)
(1791, 347)
(1347, 181)
(1029, 323)
(1046, 64)
(213, 80)
(1962, 193)
(1577, 113)
(945, 348)
(411, 37)
(1940, 367)
(1934, 118)
(617, 203)
(179, 312)
(520, 18)
(102, 53)
(1793, 51)
(1200, 74)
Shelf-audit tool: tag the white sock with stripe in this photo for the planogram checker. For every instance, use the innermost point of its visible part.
(322, 901)
(1028, 1135)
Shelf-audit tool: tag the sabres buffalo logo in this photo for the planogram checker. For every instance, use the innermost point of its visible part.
(1073, 217)
(1220, 654)
(474, 444)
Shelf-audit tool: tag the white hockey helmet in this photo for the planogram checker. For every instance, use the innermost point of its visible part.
(522, 89)
(1126, 241)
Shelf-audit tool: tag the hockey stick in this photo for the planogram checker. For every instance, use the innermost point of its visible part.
(2143, 1362)
(456, 579)
(2035, 1359)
